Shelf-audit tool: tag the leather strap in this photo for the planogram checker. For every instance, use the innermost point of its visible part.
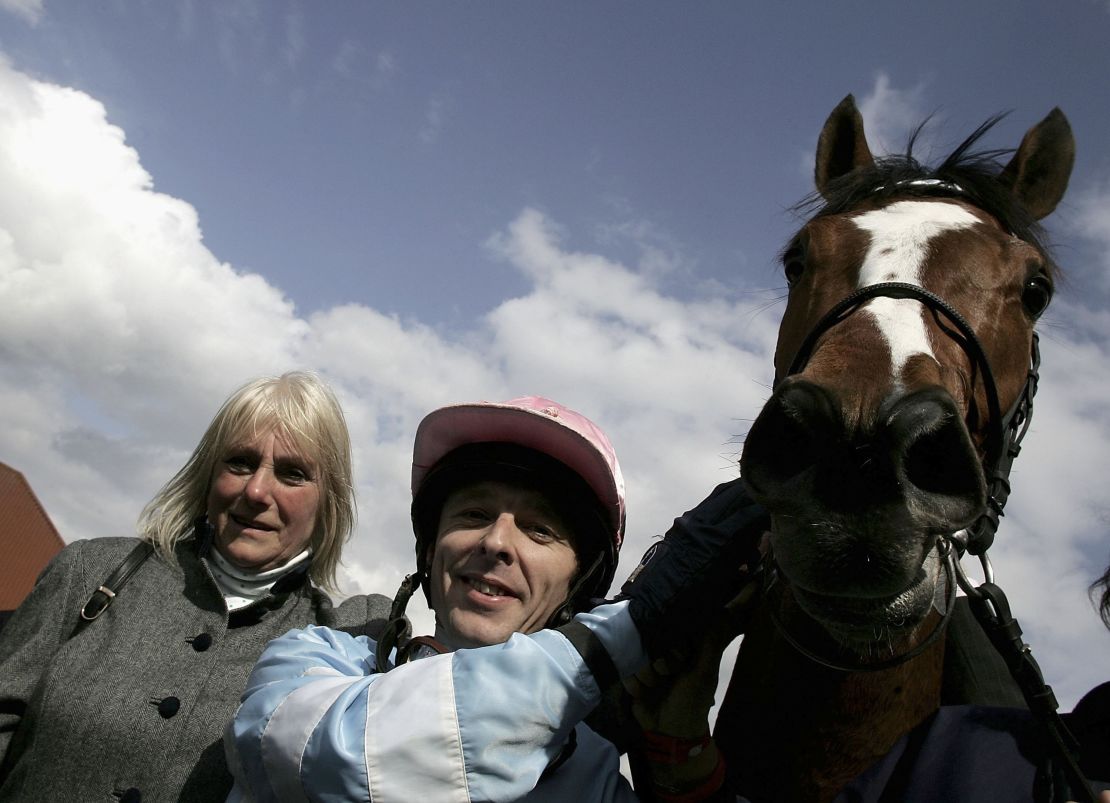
(593, 652)
(100, 599)
(992, 609)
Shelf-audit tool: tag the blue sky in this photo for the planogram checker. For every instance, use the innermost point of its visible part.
(438, 202)
(388, 141)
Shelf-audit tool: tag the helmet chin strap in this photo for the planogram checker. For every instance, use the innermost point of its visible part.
(565, 612)
(397, 623)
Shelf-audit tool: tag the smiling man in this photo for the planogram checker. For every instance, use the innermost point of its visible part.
(488, 582)
(518, 511)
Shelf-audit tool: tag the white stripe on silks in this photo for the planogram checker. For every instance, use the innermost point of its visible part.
(289, 729)
(419, 757)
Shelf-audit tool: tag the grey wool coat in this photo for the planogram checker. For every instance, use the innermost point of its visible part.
(131, 707)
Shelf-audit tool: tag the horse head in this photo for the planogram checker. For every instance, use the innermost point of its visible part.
(907, 336)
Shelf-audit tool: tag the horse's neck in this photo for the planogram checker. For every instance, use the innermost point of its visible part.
(792, 730)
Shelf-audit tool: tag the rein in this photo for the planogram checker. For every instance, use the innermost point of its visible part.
(989, 604)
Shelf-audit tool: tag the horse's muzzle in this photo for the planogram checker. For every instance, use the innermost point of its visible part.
(805, 455)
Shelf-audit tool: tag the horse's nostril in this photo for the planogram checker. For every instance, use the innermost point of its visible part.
(786, 438)
(933, 450)
(929, 465)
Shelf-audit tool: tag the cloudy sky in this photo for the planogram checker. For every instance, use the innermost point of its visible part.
(440, 202)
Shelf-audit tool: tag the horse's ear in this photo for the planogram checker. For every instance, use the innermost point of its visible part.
(842, 146)
(1039, 172)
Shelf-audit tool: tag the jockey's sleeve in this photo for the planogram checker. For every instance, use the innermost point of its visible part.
(317, 721)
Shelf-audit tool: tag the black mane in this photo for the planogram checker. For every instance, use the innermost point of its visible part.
(974, 172)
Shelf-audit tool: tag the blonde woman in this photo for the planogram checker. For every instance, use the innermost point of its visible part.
(123, 693)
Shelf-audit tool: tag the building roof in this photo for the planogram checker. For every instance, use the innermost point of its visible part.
(28, 539)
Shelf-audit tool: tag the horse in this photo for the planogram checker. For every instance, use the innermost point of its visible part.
(902, 368)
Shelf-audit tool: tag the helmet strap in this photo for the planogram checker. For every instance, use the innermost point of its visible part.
(565, 612)
(397, 623)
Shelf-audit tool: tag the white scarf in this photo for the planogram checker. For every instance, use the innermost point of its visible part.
(241, 587)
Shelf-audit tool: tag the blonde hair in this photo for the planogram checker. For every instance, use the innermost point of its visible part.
(301, 408)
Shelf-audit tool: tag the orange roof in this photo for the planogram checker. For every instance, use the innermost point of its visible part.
(28, 539)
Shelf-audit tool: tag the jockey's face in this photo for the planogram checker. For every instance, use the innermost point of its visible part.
(502, 563)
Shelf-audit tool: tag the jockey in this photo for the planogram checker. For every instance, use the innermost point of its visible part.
(519, 511)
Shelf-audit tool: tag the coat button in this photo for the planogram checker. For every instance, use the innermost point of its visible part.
(202, 642)
(168, 707)
(131, 795)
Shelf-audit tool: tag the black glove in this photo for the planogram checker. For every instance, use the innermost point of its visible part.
(683, 580)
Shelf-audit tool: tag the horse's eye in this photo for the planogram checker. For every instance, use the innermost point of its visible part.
(1035, 295)
(793, 264)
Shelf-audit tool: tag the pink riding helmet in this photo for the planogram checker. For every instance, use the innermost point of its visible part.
(534, 422)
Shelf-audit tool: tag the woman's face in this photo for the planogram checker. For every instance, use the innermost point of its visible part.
(263, 499)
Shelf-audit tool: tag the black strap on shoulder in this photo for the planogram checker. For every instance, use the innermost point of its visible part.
(565, 752)
(100, 599)
(425, 644)
(593, 652)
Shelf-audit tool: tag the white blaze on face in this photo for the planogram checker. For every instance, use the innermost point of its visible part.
(900, 235)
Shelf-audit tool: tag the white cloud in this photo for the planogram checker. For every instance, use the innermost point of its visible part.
(1090, 219)
(1053, 541)
(239, 32)
(294, 37)
(120, 333)
(433, 120)
(660, 257)
(889, 114)
(354, 62)
(385, 64)
(30, 10)
(346, 58)
(111, 309)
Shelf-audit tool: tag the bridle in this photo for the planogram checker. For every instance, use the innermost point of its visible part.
(1004, 433)
(1001, 446)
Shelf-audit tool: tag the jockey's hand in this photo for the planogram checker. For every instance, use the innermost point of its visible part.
(703, 561)
(671, 700)
(673, 694)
